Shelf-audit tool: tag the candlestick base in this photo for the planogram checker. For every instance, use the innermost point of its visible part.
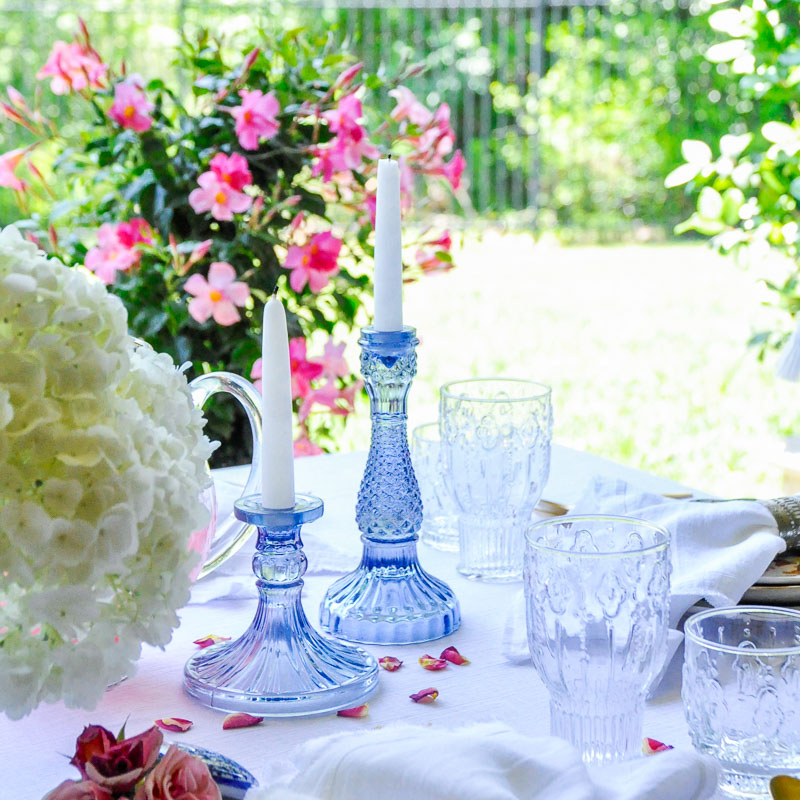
(280, 666)
(390, 599)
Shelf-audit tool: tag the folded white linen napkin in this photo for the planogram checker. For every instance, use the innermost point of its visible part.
(718, 549)
(480, 762)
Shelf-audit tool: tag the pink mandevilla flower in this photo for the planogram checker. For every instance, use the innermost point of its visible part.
(333, 361)
(409, 108)
(218, 197)
(303, 447)
(313, 263)
(131, 108)
(8, 163)
(255, 117)
(351, 144)
(232, 170)
(218, 296)
(303, 371)
(454, 169)
(116, 249)
(72, 66)
(256, 373)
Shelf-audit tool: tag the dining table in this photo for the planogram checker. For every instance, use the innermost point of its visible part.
(35, 750)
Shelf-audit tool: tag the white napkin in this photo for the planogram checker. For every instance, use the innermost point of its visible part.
(480, 762)
(718, 550)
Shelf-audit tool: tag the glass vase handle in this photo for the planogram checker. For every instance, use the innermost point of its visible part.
(230, 533)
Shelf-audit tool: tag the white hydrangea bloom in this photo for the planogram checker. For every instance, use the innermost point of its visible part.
(102, 459)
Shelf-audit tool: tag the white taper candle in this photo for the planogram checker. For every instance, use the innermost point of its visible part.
(277, 448)
(388, 249)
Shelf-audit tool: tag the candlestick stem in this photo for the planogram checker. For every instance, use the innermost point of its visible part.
(280, 666)
(389, 598)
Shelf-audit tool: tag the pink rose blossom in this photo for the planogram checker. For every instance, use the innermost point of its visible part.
(303, 447)
(131, 108)
(232, 170)
(121, 765)
(255, 117)
(256, 373)
(408, 107)
(8, 163)
(218, 296)
(314, 263)
(78, 790)
(179, 776)
(218, 197)
(303, 371)
(72, 66)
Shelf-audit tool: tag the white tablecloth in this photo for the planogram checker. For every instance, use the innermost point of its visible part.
(32, 750)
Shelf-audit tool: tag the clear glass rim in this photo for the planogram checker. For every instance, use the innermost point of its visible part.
(539, 391)
(641, 523)
(419, 433)
(691, 629)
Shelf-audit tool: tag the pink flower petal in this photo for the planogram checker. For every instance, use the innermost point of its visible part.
(358, 711)
(211, 638)
(453, 656)
(196, 285)
(431, 663)
(201, 308)
(225, 313)
(426, 696)
(390, 663)
(652, 746)
(221, 274)
(238, 292)
(240, 720)
(174, 724)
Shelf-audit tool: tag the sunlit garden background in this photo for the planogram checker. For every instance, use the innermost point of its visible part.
(568, 267)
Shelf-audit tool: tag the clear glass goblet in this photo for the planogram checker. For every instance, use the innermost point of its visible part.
(496, 442)
(741, 694)
(597, 602)
(439, 521)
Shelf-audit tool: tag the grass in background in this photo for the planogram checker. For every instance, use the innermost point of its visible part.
(644, 346)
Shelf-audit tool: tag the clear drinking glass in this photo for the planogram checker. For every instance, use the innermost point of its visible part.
(496, 443)
(439, 521)
(741, 693)
(597, 601)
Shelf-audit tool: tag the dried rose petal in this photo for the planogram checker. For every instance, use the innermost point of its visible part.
(651, 746)
(207, 641)
(431, 663)
(453, 656)
(240, 720)
(784, 787)
(425, 695)
(390, 663)
(174, 724)
(358, 711)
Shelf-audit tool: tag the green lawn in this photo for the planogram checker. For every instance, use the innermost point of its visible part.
(644, 346)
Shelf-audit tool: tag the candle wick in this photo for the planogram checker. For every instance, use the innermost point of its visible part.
(275, 292)
(390, 156)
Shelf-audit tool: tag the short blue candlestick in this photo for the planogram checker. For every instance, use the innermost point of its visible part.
(389, 598)
(280, 666)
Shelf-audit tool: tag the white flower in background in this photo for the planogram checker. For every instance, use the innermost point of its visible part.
(102, 459)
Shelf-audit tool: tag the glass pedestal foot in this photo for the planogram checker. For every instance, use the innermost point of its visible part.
(390, 599)
(280, 666)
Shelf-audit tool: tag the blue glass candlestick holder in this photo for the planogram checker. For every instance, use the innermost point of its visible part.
(389, 598)
(280, 666)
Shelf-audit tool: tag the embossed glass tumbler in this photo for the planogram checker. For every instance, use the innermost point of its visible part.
(439, 521)
(496, 439)
(597, 601)
(741, 694)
